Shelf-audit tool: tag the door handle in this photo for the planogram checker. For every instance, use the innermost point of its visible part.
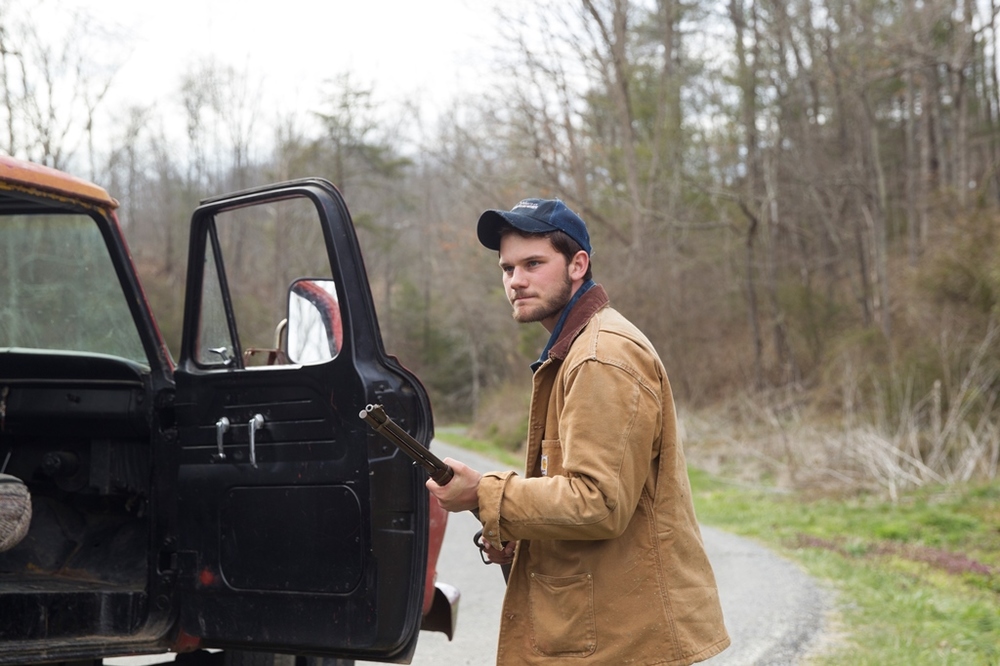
(256, 423)
(221, 426)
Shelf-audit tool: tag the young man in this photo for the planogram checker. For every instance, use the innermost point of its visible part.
(607, 558)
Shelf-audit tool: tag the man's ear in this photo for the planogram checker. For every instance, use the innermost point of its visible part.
(578, 265)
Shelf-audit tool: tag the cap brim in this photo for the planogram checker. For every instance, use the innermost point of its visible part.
(491, 221)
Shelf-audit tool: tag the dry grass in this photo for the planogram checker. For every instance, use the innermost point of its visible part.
(780, 438)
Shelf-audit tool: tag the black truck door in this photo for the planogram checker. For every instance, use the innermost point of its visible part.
(298, 530)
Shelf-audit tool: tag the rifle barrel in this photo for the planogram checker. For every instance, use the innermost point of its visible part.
(375, 416)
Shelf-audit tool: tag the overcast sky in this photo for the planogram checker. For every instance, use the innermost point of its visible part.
(428, 48)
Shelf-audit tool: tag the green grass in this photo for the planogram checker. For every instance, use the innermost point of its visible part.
(918, 582)
(456, 437)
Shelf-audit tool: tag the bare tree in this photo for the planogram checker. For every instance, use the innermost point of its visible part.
(53, 83)
(222, 107)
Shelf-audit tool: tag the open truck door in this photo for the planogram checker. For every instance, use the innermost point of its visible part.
(298, 530)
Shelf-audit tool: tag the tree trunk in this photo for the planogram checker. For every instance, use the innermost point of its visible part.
(911, 170)
(752, 310)
(874, 207)
(617, 80)
(747, 82)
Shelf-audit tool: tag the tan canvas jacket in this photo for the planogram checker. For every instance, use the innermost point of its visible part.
(610, 566)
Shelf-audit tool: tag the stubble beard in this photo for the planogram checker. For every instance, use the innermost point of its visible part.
(549, 307)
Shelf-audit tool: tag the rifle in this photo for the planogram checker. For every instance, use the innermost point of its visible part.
(375, 416)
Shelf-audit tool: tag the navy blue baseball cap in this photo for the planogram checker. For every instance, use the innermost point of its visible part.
(533, 216)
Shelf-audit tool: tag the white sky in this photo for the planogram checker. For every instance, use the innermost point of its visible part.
(431, 49)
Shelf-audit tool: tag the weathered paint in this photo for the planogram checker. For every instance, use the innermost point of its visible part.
(50, 181)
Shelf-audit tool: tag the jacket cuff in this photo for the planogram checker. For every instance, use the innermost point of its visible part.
(491, 488)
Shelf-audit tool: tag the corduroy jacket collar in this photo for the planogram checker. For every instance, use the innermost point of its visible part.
(588, 305)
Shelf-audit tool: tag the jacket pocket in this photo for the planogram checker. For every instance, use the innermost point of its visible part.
(562, 615)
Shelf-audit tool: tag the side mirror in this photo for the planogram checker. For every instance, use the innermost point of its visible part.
(315, 331)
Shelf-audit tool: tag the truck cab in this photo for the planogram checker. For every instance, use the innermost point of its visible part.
(230, 500)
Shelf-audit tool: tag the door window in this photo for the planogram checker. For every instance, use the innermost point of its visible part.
(254, 261)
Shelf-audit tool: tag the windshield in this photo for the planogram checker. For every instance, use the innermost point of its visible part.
(60, 289)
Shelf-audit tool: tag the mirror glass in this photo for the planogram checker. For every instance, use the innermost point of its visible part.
(315, 333)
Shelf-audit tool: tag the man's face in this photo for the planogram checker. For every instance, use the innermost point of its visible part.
(538, 280)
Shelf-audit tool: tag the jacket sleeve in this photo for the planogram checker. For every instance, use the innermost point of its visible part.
(609, 420)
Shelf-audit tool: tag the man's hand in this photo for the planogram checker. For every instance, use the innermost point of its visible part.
(502, 556)
(462, 492)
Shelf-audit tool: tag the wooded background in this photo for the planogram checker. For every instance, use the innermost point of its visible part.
(796, 200)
